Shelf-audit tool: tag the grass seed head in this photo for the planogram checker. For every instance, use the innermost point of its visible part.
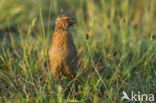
(87, 36)
(109, 56)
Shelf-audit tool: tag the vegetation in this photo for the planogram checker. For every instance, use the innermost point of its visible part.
(115, 40)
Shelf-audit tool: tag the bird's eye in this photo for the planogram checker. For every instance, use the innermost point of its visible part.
(68, 18)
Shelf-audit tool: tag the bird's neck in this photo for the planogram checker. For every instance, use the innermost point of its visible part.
(61, 30)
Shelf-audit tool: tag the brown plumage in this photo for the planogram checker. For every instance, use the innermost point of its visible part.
(62, 53)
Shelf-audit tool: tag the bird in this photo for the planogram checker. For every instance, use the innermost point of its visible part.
(62, 53)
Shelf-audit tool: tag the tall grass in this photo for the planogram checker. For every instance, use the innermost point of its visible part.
(114, 40)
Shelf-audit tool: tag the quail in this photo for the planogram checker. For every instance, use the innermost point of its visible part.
(62, 53)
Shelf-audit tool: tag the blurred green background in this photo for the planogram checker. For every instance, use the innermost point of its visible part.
(115, 40)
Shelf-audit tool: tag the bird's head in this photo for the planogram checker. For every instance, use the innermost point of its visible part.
(64, 22)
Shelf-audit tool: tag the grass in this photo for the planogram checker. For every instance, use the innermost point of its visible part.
(114, 39)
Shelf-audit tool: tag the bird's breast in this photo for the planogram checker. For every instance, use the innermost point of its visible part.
(62, 45)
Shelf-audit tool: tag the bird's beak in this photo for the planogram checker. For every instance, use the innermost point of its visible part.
(73, 21)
